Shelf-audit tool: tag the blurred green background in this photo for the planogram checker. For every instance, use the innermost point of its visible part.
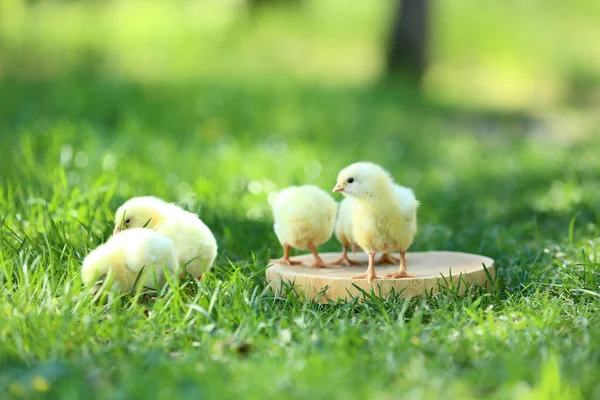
(510, 55)
(216, 105)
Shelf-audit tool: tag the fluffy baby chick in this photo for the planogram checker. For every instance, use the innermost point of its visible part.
(195, 244)
(304, 219)
(384, 214)
(343, 232)
(123, 257)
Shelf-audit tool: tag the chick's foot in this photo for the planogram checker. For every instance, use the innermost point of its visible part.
(400, 274)
(370, 274)
(318, 264)
(344, 260)
(286, 261)
(286, 257)
(367, 275)
(387, 259)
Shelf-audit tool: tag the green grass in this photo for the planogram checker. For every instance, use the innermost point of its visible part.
(77, 141)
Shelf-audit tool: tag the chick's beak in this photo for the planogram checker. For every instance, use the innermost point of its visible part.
(116, 230)
(338, 188)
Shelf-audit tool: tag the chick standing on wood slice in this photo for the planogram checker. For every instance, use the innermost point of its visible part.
(343, 232)
(304, 219)
(123, 257)
(384, 214)
(195, 244)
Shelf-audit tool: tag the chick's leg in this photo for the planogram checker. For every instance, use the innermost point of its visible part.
(318, 261)
(370, 274)
(344, 260)
(401, 273)
(387, 258)
(286, 257)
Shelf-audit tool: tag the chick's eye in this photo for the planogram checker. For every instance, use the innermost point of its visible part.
(128, 220)
(350, 180)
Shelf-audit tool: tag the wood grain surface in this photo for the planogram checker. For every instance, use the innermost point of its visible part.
(333, 283)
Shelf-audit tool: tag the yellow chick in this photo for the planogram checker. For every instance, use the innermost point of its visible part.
(384, 214)
(195, 244)
(304, 219)
(123, 257)
(343, 232)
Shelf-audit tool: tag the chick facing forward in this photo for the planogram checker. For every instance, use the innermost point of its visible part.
(195, 244)
(304, 219)
(343, 232)
(137, 255)
(384, 215)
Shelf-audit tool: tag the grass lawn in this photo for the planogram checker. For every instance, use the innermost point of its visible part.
(508, 184)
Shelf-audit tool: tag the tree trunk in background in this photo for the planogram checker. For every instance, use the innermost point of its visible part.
(408, 42)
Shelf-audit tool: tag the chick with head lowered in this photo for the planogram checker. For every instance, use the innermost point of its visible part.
(195, 244)
(137, 255)
(304, 219)
(384, 214)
